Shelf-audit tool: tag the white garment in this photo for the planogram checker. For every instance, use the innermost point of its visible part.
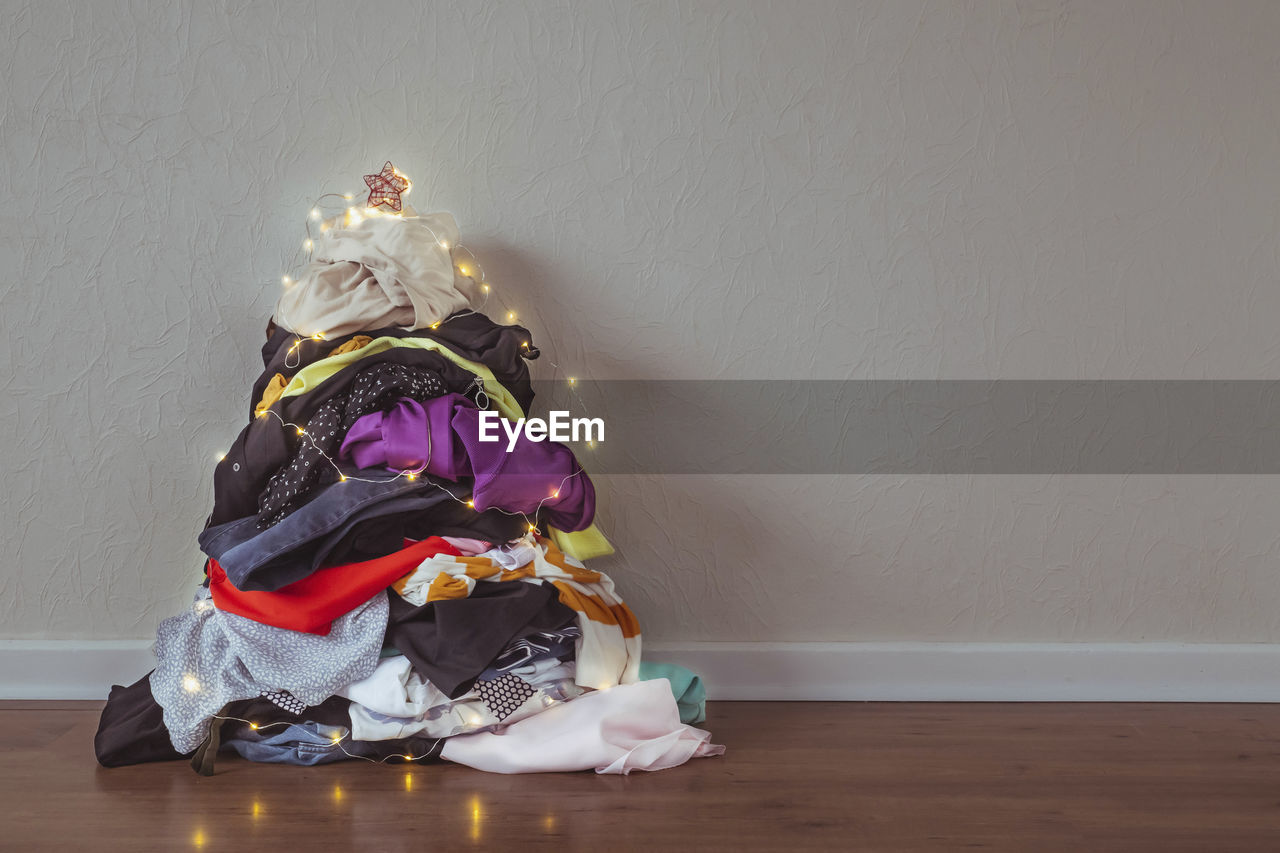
(513, 555)
(384, 271)
(396, 690)
(464, 715)
(396, 702)
(628, 727)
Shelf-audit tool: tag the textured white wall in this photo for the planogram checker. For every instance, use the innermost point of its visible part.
(722, 188)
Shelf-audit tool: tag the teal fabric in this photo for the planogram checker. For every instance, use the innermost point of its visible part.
(691, 696)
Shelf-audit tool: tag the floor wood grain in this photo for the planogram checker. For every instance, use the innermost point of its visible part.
(797, 776)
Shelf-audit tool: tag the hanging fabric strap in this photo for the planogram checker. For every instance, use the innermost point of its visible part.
(207, 752)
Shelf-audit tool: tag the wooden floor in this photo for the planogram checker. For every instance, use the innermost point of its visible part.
(797, 776)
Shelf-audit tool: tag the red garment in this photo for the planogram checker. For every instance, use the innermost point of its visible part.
(311, 604)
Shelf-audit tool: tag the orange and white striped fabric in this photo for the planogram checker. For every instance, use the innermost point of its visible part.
(608, 652)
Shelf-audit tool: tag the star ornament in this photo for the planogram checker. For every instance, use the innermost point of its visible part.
(386, 187)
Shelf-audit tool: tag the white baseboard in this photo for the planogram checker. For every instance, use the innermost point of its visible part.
(982, 672)
(70, 669)
(958, 672)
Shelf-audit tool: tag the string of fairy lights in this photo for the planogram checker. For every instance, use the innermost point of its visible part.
(470, 267)
(337, 739)
(473, 269)
(412, 474)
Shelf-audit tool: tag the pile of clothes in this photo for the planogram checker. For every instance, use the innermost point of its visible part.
(380, 583)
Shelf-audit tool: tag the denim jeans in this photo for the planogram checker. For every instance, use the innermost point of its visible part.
(301, 543)
(313, 743)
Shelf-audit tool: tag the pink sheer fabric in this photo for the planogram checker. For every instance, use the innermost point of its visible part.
(624, 728)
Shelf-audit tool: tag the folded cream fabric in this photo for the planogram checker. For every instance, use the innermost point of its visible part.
(625, 728)
(383, 271)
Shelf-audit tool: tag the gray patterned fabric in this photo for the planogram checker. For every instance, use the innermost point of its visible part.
(207, 658)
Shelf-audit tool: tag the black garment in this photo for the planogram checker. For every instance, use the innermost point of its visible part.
(360, 519)
(131, 729)
(265, 445)
(382, 536)
(470, 334)
(450, 643)
(375, 387)
(334, 711)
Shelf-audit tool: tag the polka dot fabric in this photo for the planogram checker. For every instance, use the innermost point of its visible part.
(286, 700)
(503, 696)
(376, 388)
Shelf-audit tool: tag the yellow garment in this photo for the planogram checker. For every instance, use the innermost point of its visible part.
(275, 388)
(358, 342)
(270, 394)
(581, 545)
(311, 376)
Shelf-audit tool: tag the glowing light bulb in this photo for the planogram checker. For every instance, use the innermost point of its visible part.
(532, 529)
(408, 758)
(348, 196)
(318, 336)
(307, 244)
(301, 431)
(411, 475)
(221, 456)
(464, 269)
(435, 325)
(315, 213)
(471, 504)
(573, 381)
(484, 288)
(190, 683)
(444, 244)
(337, 739)
(285, 280)
(511, 316)
(342, 478)
(556, 493)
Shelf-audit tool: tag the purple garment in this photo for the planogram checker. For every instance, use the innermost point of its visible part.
(526, 477)
(441, 436)
(408, 437)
